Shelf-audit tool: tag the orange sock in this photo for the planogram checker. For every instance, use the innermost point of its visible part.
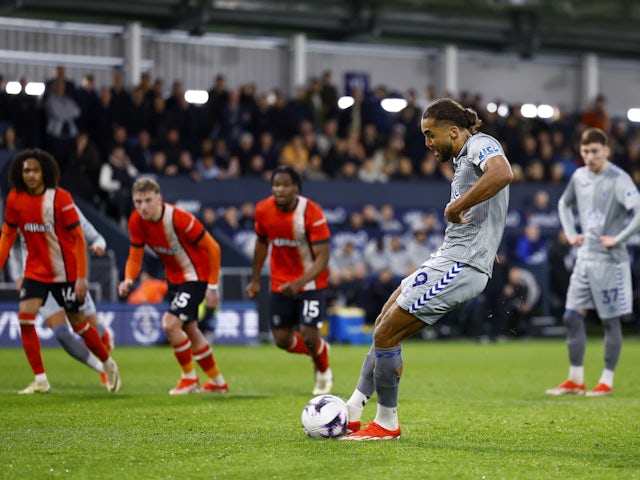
(298, 345)
(182, 351)
(205, 359)
(321, 356)
(31, 342)
(92, 340)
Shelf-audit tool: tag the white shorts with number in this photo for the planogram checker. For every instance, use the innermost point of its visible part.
(439, 286)
(605, 287)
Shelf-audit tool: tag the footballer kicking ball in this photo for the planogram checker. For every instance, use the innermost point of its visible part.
(325, 416)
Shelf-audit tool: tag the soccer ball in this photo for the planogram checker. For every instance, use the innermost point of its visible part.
(325, 416)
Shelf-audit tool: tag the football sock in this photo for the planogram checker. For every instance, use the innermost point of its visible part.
(606, 377)
(205, 359)
(576, 336)
(576, 374)
(100, 328)
(386, 374)
(31, 342)
(182, 351)
(355, 405)
(321, 356)
(298, 345)
(387, 417)
(365, 382)
(75, 348)
(612, 342)
(92, 340)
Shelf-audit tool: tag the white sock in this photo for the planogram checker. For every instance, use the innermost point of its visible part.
(355, 405)
(218, 381)
(94, 363)
(192, 374)
(387, 417)
(607, 377)
(41, 377)
(576, 374)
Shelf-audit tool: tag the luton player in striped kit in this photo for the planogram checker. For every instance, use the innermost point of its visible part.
(56, 258)
(296, 230)
(454, 275)
(191, 260)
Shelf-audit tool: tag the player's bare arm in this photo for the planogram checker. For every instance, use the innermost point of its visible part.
(80, 288)
(497, 175)
(261, 250)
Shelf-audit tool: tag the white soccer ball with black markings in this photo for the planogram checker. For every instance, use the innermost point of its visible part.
(325, 416)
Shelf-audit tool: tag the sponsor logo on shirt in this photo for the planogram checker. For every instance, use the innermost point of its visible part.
(166, 251)
(488, 150)
(37, 227)
(285, 242)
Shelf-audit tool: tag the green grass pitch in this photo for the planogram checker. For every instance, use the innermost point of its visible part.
(467, 411)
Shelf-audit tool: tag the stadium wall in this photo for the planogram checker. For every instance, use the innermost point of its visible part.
(33, 47)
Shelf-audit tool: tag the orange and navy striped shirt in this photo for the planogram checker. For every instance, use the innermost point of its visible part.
(175, 239)
(45, 221)
(291, 235)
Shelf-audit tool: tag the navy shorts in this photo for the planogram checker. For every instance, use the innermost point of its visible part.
(63, 293)
(305, 308)
(186, 299)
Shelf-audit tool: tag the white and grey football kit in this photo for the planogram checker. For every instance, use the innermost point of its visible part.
(460, 269)
(601, 278)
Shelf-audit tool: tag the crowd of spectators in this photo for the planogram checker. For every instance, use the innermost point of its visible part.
(104, 136)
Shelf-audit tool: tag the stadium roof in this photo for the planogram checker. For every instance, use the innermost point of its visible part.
(606, 27)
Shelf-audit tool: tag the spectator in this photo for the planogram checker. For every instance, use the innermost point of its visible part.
(87, 98)
(295, 154)
(139, 118)
(521, 295)
(562, 256)
(266, 148)
(388, 221)
(149, 290)
(348, 262)
(140, 152)
(26, 116)
(206, 168)
(8, 150)
(82, 176)
(116, 179)
(543, 215)
(381, 285)
(531, 248)
(62, 112)
(242, 154)
(400, 263)
(120, 99)
(597, 116)
(218, 97)
(100, 125)
(418, 247)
